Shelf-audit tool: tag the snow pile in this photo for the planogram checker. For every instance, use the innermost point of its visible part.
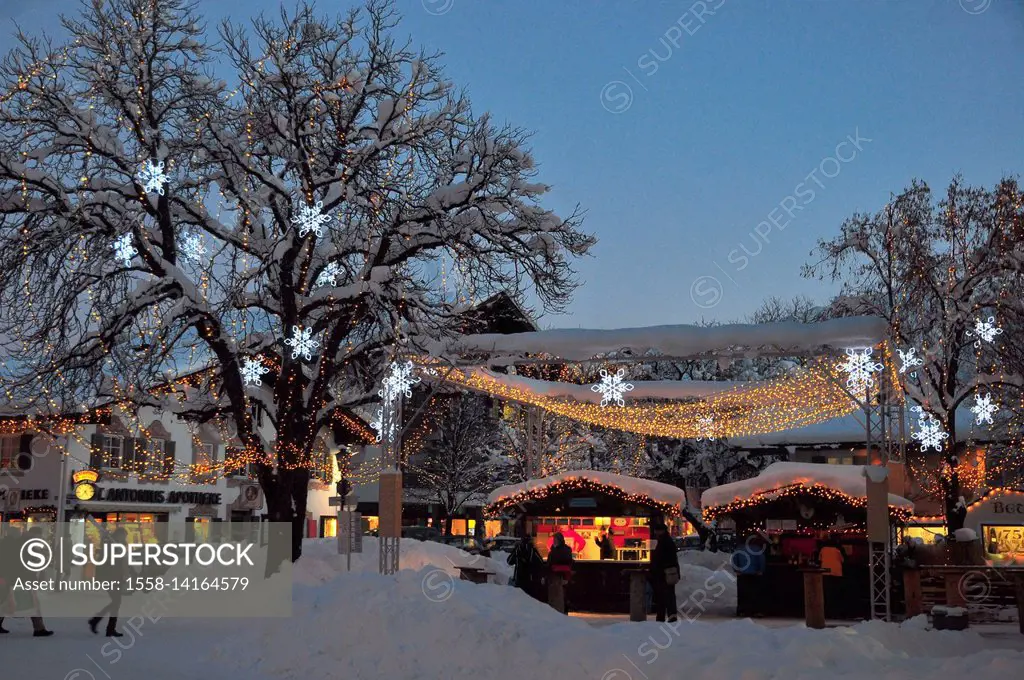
(426, 624)
(848, 479)
(663, 493)
(965, 535)
(321, 562)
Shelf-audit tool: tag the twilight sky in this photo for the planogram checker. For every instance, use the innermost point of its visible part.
(712, 143)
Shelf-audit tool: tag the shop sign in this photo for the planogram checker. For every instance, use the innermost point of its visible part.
(121, 495)
(1002, 508)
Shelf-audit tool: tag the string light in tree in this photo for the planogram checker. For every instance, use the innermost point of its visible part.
(328, 275)
(984, 409)
(860, 368)
(612, 387)
(311, 218)
(908, 361)
(252, 371)
(985, 331)
(152, 177)
(929, 432)
(124, 249)
(302, 343)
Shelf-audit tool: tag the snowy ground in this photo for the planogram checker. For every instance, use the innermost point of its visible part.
(424, 623)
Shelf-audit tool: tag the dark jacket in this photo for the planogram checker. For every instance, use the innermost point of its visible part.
(560, 556)
(607, 547)
(663, 557)
(527, 562)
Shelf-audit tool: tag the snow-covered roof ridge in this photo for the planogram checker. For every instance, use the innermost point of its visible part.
(657, 491)
(787, 338)
(848, 479)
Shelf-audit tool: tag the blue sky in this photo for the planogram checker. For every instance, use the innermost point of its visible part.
(688, 138)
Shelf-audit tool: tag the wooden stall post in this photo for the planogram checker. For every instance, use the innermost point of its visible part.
(556, 593)
(637, 595)
(1018, 589)
(912, 592)
(814, 598)
(954, 598)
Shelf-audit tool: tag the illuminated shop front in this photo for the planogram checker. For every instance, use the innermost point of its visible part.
(579, 505)
(997, 518)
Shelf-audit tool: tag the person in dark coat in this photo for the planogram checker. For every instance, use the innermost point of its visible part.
(604, 542)
(528, 566)
(117, 571)
(663, 559)
(560, 563)
(11, 569)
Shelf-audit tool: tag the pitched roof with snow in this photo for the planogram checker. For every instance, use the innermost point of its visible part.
(779, 477)
(664, 497)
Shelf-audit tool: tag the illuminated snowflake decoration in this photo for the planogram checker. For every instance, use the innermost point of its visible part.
(311, 218)
(253, 370)
(930, 432)
(124, 249)
(985, 331)
(984, 409)
(302, 343)
(398, 381)
(328, 275)
(860, 368)
(706, 428)
(612, 387)
(192, 247)
(152, 177)
(909, 360)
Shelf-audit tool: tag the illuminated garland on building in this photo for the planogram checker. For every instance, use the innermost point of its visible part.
(571, 484)
(822, 492)
(997, 491)
(814, 395)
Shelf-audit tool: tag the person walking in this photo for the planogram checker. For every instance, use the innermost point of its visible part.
(11, 569)
(112, 571)
(527, 564)
(560, 563)
(664, 574)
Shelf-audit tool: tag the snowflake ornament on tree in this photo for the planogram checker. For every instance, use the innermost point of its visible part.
(612, 387)
(706, 428)
(930, 432)
(328, 276)
(312, 219)
(985, 331)
(302, 343)
(192, 247)
(909, 360)
(124, 249)
(252, 370)
(984, 409)
(398, 381)
(860, 367)
(152, 177)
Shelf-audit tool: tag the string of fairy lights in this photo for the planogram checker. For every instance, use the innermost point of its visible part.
(573, 484)
(820, 492)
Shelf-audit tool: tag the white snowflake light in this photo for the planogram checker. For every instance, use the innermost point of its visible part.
(124, 249)
(328, 275)
(302, 343)
(930, 432)
(985, 331)
(398, 381)
(706, 428)
(378, 424)
(860, 367)
(984, 409)
(152, 177)
(909, 360)
(252, 370)
(612, 387)
(312, 219)
(192, 247)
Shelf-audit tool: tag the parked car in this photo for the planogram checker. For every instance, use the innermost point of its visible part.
(467, 543)
(691, 542)
(421, 533)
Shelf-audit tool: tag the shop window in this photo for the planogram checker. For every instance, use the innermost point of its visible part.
(236, 467)
(111, 451)
(9, 445)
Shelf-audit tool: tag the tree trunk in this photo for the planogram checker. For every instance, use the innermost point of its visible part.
(955, 512)
(285, 494)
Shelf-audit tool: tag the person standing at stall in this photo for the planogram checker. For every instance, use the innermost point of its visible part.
(664, 574)
(749, 562)
(560, 565)
(528, 565)
(604, 542)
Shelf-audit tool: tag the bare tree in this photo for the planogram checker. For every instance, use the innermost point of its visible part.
(938, 272)
(157, 221)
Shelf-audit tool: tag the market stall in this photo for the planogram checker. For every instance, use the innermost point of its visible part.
(581, 505)
(802, 508)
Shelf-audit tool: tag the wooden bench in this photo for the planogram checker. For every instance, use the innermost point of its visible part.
(474, 574)
(975, 587)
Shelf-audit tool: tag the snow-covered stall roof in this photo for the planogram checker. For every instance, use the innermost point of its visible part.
(849, 429)
(665, 497)
(769, 484)
(787, 338)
